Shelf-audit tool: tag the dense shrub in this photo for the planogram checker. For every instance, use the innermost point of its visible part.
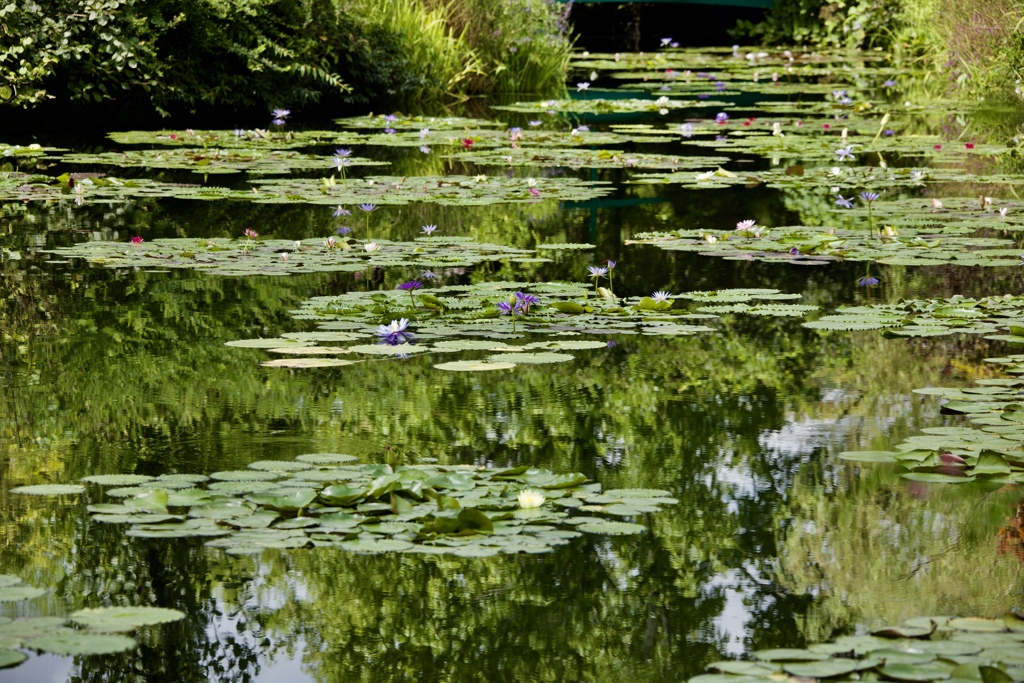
(187, 53)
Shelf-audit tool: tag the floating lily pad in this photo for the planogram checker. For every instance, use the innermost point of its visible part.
(307, 363)
(50, 489)
(15, 593)
(474, 366)
(824, 669)
(10, 658)
(77, 643)
(116, 619)
(117, 479)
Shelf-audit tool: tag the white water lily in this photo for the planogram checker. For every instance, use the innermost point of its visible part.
(777, 130)
(529, 498)
(371, 246)
(707, 175)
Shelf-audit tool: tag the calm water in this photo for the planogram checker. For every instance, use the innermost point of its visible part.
(775, 542)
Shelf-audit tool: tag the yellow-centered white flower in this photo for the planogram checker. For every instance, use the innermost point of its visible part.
(528, 498)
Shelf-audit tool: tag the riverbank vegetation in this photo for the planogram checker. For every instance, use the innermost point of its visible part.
(974, 47)
(186, 54)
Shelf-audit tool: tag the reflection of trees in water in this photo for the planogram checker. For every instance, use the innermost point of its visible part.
(871, 552)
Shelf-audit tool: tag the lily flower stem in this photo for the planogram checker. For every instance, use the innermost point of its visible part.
(412, 299)
(611, 286)
(871, 221)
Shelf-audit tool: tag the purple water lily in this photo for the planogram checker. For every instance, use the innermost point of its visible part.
(395, 333)
(844, 202)
(867, 281)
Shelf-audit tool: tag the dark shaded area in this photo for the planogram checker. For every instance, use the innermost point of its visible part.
(608, 27)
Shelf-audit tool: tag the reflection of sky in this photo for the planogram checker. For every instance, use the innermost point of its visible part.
(731, 624)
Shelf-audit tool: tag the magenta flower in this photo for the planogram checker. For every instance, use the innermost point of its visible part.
(250, 234)
(136, 241)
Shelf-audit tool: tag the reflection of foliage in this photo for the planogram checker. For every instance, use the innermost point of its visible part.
(920, 550)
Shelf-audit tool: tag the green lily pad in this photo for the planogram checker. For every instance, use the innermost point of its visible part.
(832, 668)
(932, 671)
(115, 619)
(50, 489)
(76, 643)
(15, 593)
(10, 658)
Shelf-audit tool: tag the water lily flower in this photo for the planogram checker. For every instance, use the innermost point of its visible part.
(661, 295)
(390, 131)
(969, 145)
(529, 498)
(429, 229)
(844, 202)
(867, 281)
(845, 153)
(424, 149)
(507, 308)
(597, 271)
(531, 182)
(777, 130)
(368, 207)
(665, 42)
(284, 255)
(344, 230)
(686, 130)
(721, 118)
(869, 196)
(136, 241)
(278, 122)
(371, 247)
(410, 286)
(524, 301)
(341, 163)
(1003, 211)
(298, 244)
(281, 113)
(534, 191)
(480, 178)
(936, 204)
(515, 133)
(239, 132)
(390, 118)
(583, 129)
(719, 85)
(467, 143)
(583, 85)
(535, 123)
(342, 152)
(395, 333)
(428, 275)
(341, 211)
(710, 239)
(250, 234)
(330, 243)
(889, 84)
(746, 225)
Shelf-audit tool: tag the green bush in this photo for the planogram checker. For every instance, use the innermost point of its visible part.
(823, 24)
(275, 53)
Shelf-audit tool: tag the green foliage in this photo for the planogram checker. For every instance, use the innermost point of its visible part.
(820, 23)
(273, 53)
(174, 52)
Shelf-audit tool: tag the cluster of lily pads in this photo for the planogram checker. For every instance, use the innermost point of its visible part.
(997, 317)
(816, 245)
(91, 631)
(483, 317)
(922, 650)
(449, 190)
(989, 449)
(328, 500)
(281, 257)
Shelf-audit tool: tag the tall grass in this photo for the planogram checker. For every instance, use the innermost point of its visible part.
(455, 48)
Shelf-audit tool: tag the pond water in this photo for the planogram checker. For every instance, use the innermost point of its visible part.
(733, 411)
